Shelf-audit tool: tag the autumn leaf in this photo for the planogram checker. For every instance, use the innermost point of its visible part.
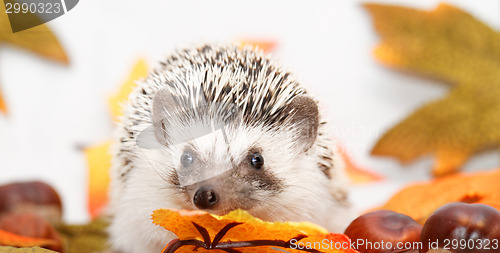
(39, 40)
(238, 228)
(450, 45)
(98, 156)
(91, 237)
(420, 200)
(358, 175)
(11, 239)
(266, 45)
(3, 106)
(31, 225)
(8, 249)
(117, 100)
(99, 164)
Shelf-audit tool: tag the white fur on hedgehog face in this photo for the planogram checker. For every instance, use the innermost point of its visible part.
(296, 192)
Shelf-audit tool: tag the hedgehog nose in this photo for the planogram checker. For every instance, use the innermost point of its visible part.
(205, 198)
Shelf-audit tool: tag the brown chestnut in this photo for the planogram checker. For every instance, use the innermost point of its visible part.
(31, 225)
(384, 231)
(462, 228)
(35, 196)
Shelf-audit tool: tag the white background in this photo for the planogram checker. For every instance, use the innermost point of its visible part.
(55, 109)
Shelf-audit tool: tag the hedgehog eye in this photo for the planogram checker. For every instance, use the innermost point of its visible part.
(187, 159)
(257, 160)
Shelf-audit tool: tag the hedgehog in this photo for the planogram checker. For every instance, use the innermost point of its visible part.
(217, 128)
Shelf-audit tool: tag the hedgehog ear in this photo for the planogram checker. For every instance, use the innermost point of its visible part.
(305, 115)
(164, 104)
(155, 136)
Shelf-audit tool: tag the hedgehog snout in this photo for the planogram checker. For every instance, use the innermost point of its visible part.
(205, 198)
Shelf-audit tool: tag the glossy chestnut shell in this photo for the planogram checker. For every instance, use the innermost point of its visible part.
(383, 226)
(34, 196)
(463, 228)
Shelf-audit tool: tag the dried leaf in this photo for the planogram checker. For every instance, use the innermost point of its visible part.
(116, 101)
(86, 238)
(3, 106)
(453, 46)
(420, 200)
(99, 164)
(266, 46)
(239, 227)
(11, 239)
(8, 249)
(359, 175)
(98, 156)
(39, 40)
(31, 225)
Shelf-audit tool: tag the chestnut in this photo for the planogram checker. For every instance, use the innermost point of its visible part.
(384, 229)
(31, 225)
(35, 196)
(462, 228)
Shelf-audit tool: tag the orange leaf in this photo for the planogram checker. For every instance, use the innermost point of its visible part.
(99, 163)
(265, 45)
(359, 175)
(10, 239)
(3, 106)
(240, 227)
(422, 199)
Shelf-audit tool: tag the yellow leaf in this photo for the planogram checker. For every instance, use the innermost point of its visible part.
(99, 163)
(116, 101)
(239, 227)
(445, 43)
(85, 238)
(39, 40)
(451, 45)
(98, 157)
(9, 249)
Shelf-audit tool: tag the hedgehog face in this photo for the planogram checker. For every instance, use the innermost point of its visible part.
(219, 162)
(220, 156)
